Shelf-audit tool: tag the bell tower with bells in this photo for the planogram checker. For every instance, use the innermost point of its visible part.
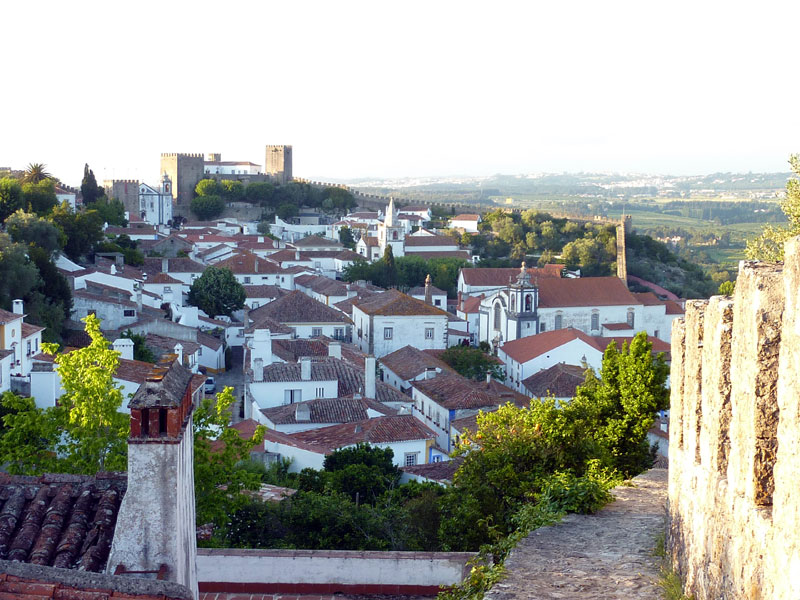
(523, 303)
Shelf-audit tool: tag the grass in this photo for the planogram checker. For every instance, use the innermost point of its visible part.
(669, 581)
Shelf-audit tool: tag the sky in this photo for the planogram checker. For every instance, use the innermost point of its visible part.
(401, 89)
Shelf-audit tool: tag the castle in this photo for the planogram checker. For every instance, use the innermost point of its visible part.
(734, 510)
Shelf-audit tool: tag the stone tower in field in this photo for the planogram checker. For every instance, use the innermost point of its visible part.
(185, 171)
(278, 163)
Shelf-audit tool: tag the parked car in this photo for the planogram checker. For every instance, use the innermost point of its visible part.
(211, 385)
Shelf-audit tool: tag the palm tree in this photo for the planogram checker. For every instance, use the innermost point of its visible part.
(36, 172)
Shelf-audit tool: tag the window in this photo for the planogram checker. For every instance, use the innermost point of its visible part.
(387, 333)
(292, 396)
(558, 322)
(129, 312)
(630, 318)
(411, 458)
(513, 302)
(317, 264)
(595, 320)
(338, 333)
(497, 316)
(528, 302)
(255, 304)
(429, 333)
(437, 302)
(655, 333)
(542, 327)
(320, 392)
(29, 347)
(247, 279)
(167, 289)
(436, 458)
(200, 351)
(316, 331)
(394, 235)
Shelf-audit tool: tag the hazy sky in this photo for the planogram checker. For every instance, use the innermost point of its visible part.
(373, 89)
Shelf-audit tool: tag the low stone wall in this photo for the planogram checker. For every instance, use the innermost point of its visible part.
(328, 571)
(734, 507)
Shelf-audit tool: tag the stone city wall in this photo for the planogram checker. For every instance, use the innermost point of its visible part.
(734, 506)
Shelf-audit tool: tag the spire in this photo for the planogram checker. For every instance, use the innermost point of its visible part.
(523, 278)
(390, 214)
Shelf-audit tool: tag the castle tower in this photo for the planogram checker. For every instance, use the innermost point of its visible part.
(124, 190)
(155, 529)
(278, 163)
(185, 171)
(523, 304)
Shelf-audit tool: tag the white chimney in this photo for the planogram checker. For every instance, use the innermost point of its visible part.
(113, 269)
(335, 350)
(430, 372)
(165, 265)
(369, 377)
(261, 239)
(262, 346)
(125, 348)
(302, 412)
(258, 369)
(305, 368)
(18, 307)
(488, 377)
(179, 351)
(297, 254)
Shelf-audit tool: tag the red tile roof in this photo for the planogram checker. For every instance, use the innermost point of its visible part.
(616, 326)
(370, 240)
(380, 430)
(472, 304)
(314, 241)
(395, 303)
(462, 254)
(528, 348)
(247, 263)
(408, 362)
(327, 410)
(585, 291)
(163, 278)
(465, 217)
(439, 471)
(430, 240)
(560, 381)
(454, 392)
(264, 291)
(297, 307)
(27, 330)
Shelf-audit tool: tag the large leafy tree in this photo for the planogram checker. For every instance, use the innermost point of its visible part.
(82, 229)
(207, 207)
(216, 292)
(769, 245)
(27, 228)
(11, 197)
(86, 432)
(39, 197)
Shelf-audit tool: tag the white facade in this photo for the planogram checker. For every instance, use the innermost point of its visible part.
(381, 335)
(468, 223)
(231, 168)
(155, 205)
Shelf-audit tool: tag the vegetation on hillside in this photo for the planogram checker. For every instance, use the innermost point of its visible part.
(769, 245)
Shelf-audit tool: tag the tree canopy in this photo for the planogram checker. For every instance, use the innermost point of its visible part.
(216, 292)
(769, 245)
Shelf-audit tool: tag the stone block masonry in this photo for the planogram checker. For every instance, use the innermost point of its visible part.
(734, 503)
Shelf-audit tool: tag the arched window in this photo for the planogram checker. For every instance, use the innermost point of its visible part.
(513, 302)
(528, 303)
(595, 320)
(497, 316)
(559, 322)
(394, 235)
(630, 318)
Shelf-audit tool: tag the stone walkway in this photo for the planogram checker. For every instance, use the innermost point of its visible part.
(607, 555)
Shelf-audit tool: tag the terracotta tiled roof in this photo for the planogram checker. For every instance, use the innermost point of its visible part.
(380, 430)
(103, 299)
(465, 217)
(64, 521)
(462, 254)
(264, 291)
(439, 471)
(274, 327)
(408, 362)
(322, 285)
(528, 348)
(395, 303)
(163, 278)
(498, 277)
(297, 307)
(133, 370)
(8, 317)
(472, 304)
(209, 341)
(673, 308)
(560, 381)
(292, 350)
(420, 291)
(454, 392)
(247, 263)
(647, 298)
(317, 241)
(326, 410)
(27, 330)
(586, 291)
(160, 344)
(370, 240)
(429, 240)
(174, 265)
(616, 326)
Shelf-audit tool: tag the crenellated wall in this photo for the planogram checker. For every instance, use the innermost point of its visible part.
(734, 474)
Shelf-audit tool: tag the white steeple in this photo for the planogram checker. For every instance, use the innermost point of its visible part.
(390, 214)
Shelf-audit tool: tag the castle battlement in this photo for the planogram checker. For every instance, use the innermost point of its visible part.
(734, 510)
(180, 155)
(112, 181)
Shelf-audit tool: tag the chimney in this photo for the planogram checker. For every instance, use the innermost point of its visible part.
(258, 369)
(305, 368)
(113, 269)
(255, 263)
(430, 372)
(139, 298)
(297, 254)
(262, 346)
(261, 239)
(488, 378)
(125, 348)
(302, 412)
(156, 519)
(165, 265)
(369, 377)
(18, 307)
(335, 350)
(428, 290)
(179, 351)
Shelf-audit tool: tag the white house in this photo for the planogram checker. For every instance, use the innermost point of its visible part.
(467, 222)
(390, 320)
(305, 316)
(369, 248)
(250, 269)
(215, 166)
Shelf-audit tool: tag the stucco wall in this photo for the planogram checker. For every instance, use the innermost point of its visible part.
(734, 511)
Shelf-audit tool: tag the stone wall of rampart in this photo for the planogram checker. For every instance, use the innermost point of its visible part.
(734, 504)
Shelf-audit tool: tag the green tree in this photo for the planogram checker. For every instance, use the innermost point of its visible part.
(263, 227)
(208, 187)
(287, 210)
(346, 237)
(216, 292)
(39, 197)
(27, 228)
(726, 288)
(35, 172)
(472, 362)
(82, 229)
(207, 207)
(769, 245)
(626, 397)
(218, 482)
(11, 199)
(18, 276)
(86, 432)
(90, 191)
(389, 267)
(232, 190)
(259, 193)
(140, 349)
(112, 211)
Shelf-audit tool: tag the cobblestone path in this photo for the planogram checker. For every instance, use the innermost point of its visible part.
(607, 555)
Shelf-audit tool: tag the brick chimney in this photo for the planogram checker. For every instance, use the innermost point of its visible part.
(156, 523)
